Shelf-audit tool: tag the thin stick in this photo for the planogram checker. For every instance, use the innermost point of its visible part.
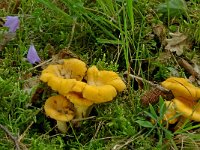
(13, 138)
(72, 35)
(43, 63)
(98, 128)
(149, 82)
(107, 138)
(183, 63)
(129, 140)
(82, 119)
(24, 133)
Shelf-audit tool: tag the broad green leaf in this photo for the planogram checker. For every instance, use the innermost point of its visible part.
(145, 124)
(152, 111)
(150, 115)
(52, 6)
(162, 107)
(173, 8)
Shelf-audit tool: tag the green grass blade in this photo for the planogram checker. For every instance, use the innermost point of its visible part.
(130, 13)
(56, 9)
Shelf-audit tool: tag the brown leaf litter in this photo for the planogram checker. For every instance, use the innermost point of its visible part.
(177, 43)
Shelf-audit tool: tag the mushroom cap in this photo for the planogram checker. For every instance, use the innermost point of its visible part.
(50, 71)
(77, 99)
(65, 77)
(98, 78)
(64, 86)
(189, 109)
(99, 94)
(74, 68)
(170, 112)
(59, 108)
(69, 69)
(180, 87)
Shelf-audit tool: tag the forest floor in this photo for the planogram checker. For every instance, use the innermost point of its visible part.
(145, 42)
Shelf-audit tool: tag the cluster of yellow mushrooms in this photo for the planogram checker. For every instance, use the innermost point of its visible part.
(79, 89)
(185, 102)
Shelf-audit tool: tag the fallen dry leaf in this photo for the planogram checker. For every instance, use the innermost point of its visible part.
(5, 38)
(160, 31)
(57, 58)
(10, 5)
(177, 43)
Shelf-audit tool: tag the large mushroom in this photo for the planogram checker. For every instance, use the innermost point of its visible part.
(185, 102)
(62, 110)
(102, 86)
(74, 69)
(68, 69)
(97, 78)
(180, 87)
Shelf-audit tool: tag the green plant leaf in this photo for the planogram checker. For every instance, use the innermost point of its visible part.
(162, 107)
(145, 124)
(52, 6)
(150, 115)
(173, 8)
(152, 111)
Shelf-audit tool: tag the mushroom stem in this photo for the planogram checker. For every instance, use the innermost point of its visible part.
(82, 111)
(180, 123)
(62, 126)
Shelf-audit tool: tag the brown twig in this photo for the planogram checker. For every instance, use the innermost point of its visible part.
(183, 63)
(82, 119)
(13, 138)
(98, 128)
(158, 86)
(152, 96)
(24, 133)
(41, 64)
(127, 141)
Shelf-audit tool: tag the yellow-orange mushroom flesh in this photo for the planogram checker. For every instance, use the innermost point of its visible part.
(59, 108)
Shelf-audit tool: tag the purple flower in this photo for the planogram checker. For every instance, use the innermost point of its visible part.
(32, 55)
(12, 22)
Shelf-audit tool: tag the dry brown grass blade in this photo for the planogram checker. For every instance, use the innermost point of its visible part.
(13, 138)
(183, 63)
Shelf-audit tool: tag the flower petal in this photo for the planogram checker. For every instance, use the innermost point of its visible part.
(32, 55)
(12, 22)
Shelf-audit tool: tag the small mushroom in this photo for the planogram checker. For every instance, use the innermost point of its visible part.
(170, 113)
(189, 109)
(59, 108)
(180, 87)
